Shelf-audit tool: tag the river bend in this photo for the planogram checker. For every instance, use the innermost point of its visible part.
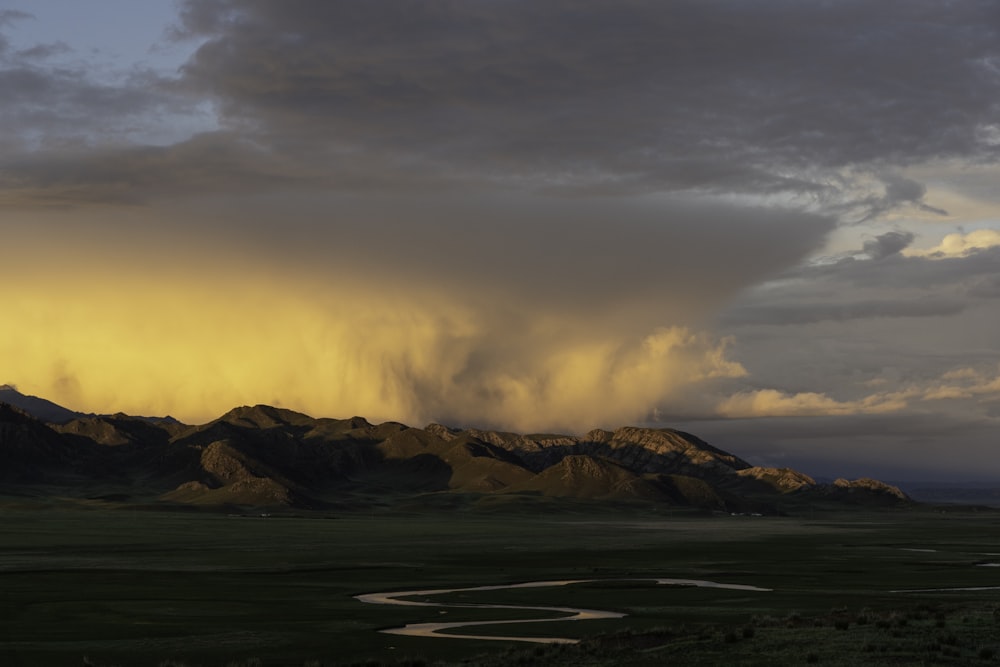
(566, 613)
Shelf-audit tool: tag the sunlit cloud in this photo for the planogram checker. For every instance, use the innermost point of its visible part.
(775, 403)
(960, 383)
(194, 345)
(959, 244)
(965, 383)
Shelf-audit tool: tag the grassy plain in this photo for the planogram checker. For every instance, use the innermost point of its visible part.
(120, 586)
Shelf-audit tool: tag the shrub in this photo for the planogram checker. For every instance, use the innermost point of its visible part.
(765, 621)
(841, 624)
(748, 632)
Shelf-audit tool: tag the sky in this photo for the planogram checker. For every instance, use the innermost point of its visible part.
(773, 224)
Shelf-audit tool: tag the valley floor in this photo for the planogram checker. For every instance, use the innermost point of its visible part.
(129, 587)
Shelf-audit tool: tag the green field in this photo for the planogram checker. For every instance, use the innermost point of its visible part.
(128, 587)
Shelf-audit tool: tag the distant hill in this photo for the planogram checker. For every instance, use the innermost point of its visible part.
(40, 408)
(964, 493)
(262, 456)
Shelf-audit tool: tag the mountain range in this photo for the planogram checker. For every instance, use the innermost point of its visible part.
(267, 457)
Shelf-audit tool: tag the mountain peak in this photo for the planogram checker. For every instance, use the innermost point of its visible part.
(263, 416)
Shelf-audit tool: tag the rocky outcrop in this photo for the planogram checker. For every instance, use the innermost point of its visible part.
(782, 480)
(661, 451)
(582, 476)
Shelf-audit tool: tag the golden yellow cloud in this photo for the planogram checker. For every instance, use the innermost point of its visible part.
(193, 342)
(959, 244)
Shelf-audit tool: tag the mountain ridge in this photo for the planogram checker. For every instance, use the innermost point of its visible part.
(263, 456)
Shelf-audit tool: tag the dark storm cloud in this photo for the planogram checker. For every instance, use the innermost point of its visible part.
(598, 97)
(657, 96)
(822, 105)
(461, 129)
(400, 152)
(881, 285)
(607, 265)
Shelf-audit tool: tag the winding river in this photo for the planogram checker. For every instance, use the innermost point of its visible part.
(569, 613)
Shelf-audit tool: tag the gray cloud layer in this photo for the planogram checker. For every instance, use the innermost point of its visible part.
(591, 97)
(770, 85)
